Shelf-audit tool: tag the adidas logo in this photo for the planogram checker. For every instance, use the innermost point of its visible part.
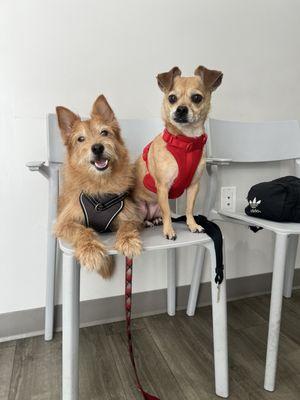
(254, 204)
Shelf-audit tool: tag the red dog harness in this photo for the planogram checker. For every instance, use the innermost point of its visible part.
(187, 152)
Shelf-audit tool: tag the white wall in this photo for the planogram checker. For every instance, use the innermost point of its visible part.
(67, 52)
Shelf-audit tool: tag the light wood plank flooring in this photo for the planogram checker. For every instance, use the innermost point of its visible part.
(174, 357)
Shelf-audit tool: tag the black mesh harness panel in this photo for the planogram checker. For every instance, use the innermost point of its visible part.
(100, 211)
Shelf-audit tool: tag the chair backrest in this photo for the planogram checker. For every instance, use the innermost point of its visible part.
(254, 141)
(136, 133)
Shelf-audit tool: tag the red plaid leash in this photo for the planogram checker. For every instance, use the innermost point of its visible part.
(128, 306)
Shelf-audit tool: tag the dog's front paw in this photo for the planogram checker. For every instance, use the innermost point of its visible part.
(93, 255)
(169, 233)
(130, 246)
(195, 228)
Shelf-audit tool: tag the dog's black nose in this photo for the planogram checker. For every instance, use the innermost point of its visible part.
(181, 111)
(97, 148)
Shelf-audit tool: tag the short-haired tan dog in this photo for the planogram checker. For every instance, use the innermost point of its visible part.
(174, 161)
(95, 194)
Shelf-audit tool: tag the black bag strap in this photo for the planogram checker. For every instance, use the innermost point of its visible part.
(214, 232)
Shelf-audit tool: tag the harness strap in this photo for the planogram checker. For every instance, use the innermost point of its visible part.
(184, 142)
(102, 204)
(128, 306)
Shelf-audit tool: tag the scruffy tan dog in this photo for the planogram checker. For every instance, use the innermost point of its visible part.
(95, 194)
(175, 160)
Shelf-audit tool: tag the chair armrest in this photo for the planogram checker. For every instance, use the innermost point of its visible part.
(218, 161)
(35, 165)
(39, 166)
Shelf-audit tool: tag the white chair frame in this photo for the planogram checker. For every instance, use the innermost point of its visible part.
(51, 172)
(137, 133)
(236, 142)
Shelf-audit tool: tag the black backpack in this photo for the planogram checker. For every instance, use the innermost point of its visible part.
(277, 200)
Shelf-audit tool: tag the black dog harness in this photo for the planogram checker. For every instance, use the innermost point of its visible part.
(99, 212)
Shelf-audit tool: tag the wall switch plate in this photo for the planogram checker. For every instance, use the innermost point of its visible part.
(228, 198)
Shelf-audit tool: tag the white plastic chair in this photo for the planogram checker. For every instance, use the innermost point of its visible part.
(240, 142)
(137, 133)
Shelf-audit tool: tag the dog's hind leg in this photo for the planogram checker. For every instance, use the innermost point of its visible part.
(151, 213)
(148, 224)
(154, 215)
(157, 221)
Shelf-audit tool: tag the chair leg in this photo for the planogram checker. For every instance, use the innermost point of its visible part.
(171, 290)
(219, 314)
(50, 287)
(51, 256)
(290, 266)
(71, 298)
(275, 311)
(196, 279)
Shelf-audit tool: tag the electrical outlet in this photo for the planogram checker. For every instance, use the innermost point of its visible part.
(228, 198)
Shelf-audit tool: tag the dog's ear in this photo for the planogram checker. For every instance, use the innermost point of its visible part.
(102, 109)
(211, 78)
(165, 80)
(66, 119)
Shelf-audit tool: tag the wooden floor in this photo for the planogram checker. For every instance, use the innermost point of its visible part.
(174, 357)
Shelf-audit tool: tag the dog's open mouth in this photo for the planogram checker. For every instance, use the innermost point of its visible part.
(101, 164)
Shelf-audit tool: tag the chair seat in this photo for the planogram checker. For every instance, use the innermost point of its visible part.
(280, 227)
(152, 239)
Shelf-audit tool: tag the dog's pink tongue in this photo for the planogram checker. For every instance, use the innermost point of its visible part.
(101, 163)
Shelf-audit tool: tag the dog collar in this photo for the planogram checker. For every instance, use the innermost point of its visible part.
(100, 211)
(185, 143)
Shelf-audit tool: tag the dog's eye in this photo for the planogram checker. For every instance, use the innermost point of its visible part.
(104, 133)
(196, 98)
(172, 98)
(81, 139)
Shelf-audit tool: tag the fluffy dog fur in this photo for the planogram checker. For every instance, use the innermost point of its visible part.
(80, 173)
(193, 94)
